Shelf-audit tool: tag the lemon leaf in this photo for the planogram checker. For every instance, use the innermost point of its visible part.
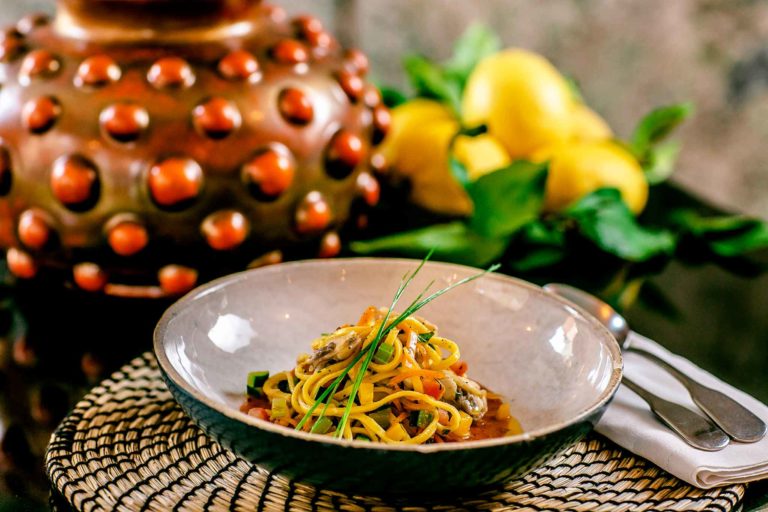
(459, 171)
(453, 242)
(536, 245)
(659, 162)
(657, 125)
(430, 81)
(604, 218)
(477, 42)
(726, 236)
(392, 97)
(507, 199)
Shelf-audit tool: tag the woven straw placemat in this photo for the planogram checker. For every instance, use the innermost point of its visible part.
(128, 446)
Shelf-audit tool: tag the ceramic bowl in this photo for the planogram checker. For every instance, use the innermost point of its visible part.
(558, 368)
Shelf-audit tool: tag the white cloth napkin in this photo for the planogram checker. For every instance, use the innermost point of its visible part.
(630, 423)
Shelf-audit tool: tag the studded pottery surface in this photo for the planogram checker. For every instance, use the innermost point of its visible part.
(128, 446)
(142, 141)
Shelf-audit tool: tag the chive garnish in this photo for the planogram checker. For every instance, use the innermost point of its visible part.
(425, 337)
(372, 349)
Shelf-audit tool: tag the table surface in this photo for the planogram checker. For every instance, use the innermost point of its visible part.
(65, 352)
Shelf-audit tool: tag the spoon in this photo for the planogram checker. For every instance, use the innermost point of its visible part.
(693, 428)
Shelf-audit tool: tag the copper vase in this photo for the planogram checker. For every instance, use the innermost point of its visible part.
(148, 145)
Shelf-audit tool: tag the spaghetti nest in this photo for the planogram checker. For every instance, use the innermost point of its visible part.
(413, 391)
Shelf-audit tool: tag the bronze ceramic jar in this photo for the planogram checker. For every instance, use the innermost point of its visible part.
(147, 145)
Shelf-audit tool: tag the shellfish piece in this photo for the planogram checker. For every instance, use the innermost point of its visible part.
(39, 115)
(38, 64)
(225, 230)
(75, 182)
(89, 276)
(239, 65)
(290, 51)
(171, 72)
(216, 118)
(127, 237)
(175, 181)
(124, 122)
(313, 214)
(369, 188)
(270, 172)
(97, 71)
(295, 106)
(33, 229)
(330, 245)
(21, 264)
(346, 151)
(176, 279)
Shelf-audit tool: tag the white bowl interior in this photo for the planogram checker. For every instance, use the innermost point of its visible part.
(549, 360)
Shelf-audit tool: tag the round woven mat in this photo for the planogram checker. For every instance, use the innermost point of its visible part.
(128, 446)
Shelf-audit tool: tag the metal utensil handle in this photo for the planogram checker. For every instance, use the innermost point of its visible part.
(736, 420)
(695, 430)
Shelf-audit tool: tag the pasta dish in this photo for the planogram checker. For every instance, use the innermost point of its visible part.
(414, 389)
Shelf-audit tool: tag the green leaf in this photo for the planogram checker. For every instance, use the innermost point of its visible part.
(507, 199)
(477, 42)
(656, 125)
(726, 236)
(453, 242)
(429, 80)
(575, 89)
(750, 241)
(691, 221)
(659, 162)
(604, 219)
(459, 171)
(538, 244)
(392, 97)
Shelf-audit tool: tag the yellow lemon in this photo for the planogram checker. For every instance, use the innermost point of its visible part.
(407, 120)
(578, 169)
(480, 155)
(588, 125)
(523, 99)
(417, 148)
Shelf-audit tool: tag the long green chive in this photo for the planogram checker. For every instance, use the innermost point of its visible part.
(331, 390)
(415, 306)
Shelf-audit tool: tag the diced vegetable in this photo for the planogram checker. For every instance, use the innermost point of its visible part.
(397, 432)
(459, 368)
(465, 421)
(381, 417)
(361, 437)
(255, 383)
(257, 379)
(279, 408)
(503, 412)
(425, 337)
(383, 354)
(421, 418)
(322, 426)
(443, 417)
(259, 412)
(432, 388)
(365, 393)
